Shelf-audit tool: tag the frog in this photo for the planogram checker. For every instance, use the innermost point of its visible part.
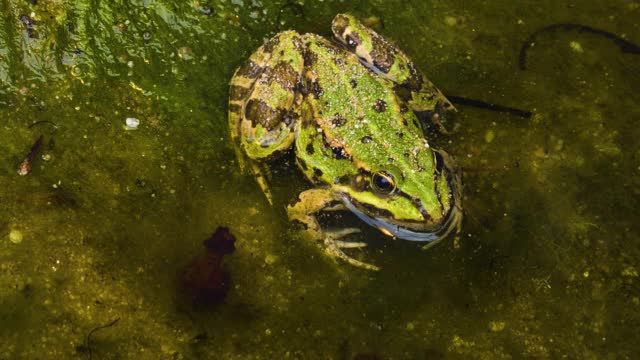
(352, 110)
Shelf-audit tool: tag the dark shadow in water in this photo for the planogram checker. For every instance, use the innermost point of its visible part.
(625, 46)
(459, 100)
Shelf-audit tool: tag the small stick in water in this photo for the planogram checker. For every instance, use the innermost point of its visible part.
(25, 165)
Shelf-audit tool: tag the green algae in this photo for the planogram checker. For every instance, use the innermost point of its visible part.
(547, 265)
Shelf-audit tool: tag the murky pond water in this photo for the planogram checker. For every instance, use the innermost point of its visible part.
(108, 217)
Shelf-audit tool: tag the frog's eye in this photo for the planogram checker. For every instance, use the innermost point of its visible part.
(383, 183)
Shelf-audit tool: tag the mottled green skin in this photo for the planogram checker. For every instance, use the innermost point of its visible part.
(389, 140)
(349, 113)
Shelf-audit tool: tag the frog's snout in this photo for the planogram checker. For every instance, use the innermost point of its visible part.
(339, 26)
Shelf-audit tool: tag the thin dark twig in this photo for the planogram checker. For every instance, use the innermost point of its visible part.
(88, 342)
(55, 126)
(625, 46)
(458, 100)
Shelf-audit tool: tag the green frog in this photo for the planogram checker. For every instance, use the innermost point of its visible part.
(349, 110)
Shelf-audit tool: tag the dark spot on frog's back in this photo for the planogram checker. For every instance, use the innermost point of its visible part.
(237, 92)
(309, 57)
(380, 105)
(260, 113)
(317, 174)
(310, 150)
(353, 83)
(284, 74)
(317, 90)
(270, 44)
(338, 120)
(249, 70)
(339, 62)
(382, 54)
(366, 139)
(339, 153)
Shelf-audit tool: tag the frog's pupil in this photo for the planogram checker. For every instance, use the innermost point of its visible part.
(383, 182)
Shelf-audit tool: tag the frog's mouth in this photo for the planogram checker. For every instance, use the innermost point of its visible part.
(417, 231)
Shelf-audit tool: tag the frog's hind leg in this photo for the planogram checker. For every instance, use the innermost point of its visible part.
(384, 58)
(309, 204)
(264, 102)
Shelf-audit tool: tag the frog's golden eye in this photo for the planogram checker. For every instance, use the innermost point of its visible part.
(383, 183)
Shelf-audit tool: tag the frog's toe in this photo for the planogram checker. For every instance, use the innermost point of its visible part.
(339, 233)
(333, 249)
(349, 244)
(334, 235)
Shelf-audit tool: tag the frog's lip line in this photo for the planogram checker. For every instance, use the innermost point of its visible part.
(402, 232)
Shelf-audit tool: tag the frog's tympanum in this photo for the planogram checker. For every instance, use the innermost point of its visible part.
(348, 110)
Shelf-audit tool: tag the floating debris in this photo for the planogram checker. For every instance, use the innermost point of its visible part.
(86, 347)
(25, 165)
(204, 280)
(15, 236)
(53, 125)
(132, 123)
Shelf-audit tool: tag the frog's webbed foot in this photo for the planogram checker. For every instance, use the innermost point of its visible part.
(334, 248)
(311, 202)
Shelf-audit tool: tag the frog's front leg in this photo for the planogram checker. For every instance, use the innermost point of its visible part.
(384, 58)
(263, 102)
(311, 202)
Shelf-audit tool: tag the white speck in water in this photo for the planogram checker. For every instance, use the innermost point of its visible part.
(132, 123)
(15, 236)
(576, 46)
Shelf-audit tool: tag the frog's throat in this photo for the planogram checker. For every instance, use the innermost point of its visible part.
(453, 220)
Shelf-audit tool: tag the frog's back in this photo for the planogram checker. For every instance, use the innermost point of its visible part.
(360, 118)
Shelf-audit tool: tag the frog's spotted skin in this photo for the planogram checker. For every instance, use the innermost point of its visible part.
(378, 54)
(353, 131)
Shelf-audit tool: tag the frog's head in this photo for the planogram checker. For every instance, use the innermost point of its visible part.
(374, 51)
(417, 205)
